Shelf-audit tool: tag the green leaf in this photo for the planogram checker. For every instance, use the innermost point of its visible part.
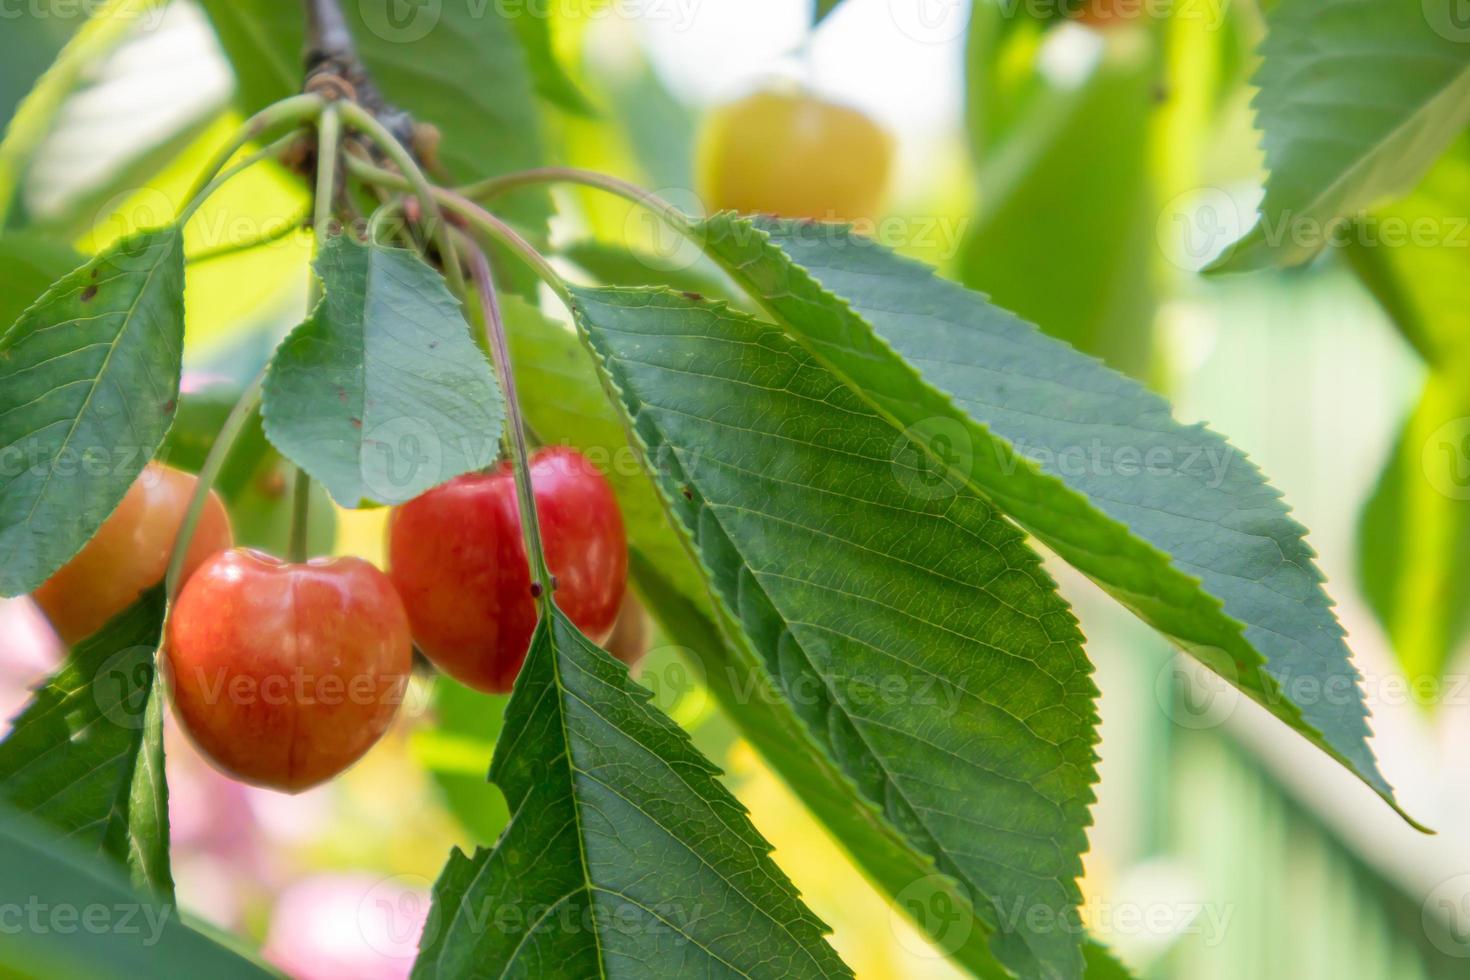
(1173, 521)
(908, 623)
(51, 881)
(622, 830)
(615, 265)
(86, 755)
(89, 377)
(1041, 210)
(1414, 256)
(564, 402)
(460, 66)
(552, 82)
(740, 683)
(1356, 100)
(29, 264)
(456, 750)
(1414, 537)
(823, 9)
(380, 394)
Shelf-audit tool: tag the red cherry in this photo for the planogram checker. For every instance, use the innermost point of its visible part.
(286, 674)
(458, 558)
(129, 553)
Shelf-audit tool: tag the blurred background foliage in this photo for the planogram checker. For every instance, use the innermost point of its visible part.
(1081, 176)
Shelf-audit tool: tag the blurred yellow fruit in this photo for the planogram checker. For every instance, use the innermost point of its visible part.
(794, 155)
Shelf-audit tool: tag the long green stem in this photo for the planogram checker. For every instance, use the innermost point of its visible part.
(290, 112)
(363, 121)
(284, 231)
(268, 152)
(492, 187)
(208, 473)
(300, 516)
(328, 142)
(542, 582)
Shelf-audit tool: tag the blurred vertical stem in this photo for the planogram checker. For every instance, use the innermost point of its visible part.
(488, 311)
(208, 473)
(328, 143)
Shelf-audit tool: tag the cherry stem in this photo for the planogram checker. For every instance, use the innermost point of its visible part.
(300, 515)
(492, 187)
(208, 473)
(286, 230)
(270, 151)
(272, 119)
(364, 122)
(494, 327)
(476, 216)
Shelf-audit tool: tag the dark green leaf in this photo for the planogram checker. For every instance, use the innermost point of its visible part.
(381, 394)
(89, 377)
(564, 401)
(905, 620)
(1356, 99)
(27, 47)
(1414, 539)
(739, 681)
(1172, 520)
(625, 855)
(51, 880)
(822, 9)
(86, 755)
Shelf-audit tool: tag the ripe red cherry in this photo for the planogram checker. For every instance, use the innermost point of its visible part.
(286, 674)
(458, 558)
(129, 553)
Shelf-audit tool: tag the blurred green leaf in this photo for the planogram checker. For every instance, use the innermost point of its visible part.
(89, 378)
(380, 394)
(614, 265)
(1356, 100)
(86, 755)
(43, 875)
(28, 45)
(1414, 536)
(457, 750)
(1171, 520)
(1414, 256)
(1065, 232)
(850, 572)
(29, 264)
(552, 82)
(622, 827)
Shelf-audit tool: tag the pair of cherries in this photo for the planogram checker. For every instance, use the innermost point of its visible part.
(286, 674)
